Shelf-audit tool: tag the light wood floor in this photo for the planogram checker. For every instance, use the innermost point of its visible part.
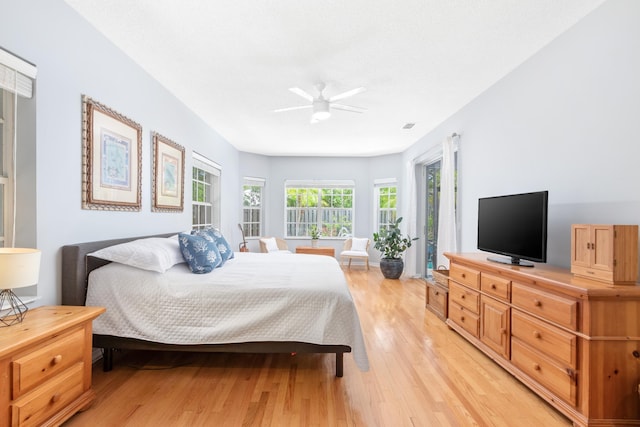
(422, 374)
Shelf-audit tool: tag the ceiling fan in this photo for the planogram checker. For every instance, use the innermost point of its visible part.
(322, 106)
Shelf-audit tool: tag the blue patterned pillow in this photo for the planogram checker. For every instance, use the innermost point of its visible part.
(223, 246)
(200, 252)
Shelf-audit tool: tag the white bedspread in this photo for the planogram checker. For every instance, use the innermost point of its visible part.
(253, 297)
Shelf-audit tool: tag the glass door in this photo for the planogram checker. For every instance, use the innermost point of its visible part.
(432, 173)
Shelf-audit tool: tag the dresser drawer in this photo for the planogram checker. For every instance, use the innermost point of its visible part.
(42, 403)
(47, 361)
(466, 276)
(557, 309)
(436, 300)
(470, 322)
(465, 297)
(546, 338)
(557, 378)
(495, 286)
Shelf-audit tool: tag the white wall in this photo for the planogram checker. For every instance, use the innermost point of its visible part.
(74, 59)
(565, 121)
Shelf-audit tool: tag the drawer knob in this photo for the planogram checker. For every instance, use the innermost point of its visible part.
(461, 296)
(56, 397)
(464, 276)
(537, 302)
(536, 367)
(503, 331)
(536, 334)
(437, 293)
(57, 359)
(493, 286)
(462, 318)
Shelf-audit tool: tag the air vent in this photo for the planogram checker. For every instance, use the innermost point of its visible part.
(408, 125)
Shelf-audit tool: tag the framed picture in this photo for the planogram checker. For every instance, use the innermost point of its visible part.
(168, 175)
(111, 159)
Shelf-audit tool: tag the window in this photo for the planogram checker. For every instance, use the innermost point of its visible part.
(385, 196)
(205, 193)
(252, 206)
(6, 166)
(326, 204)
(16, 86)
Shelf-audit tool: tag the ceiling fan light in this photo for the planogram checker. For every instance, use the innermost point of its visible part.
(321, 110)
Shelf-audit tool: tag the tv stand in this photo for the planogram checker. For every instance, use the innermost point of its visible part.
(510, 261)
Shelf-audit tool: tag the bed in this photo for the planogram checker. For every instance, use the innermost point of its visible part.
(254, 303)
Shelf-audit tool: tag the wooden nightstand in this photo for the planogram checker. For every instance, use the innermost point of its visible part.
(45, 366)
(319, 250)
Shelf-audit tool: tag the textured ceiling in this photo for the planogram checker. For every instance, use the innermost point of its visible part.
(233, 61)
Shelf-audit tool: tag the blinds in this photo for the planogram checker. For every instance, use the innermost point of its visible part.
(16, 75)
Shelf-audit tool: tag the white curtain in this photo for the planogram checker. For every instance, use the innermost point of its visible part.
(447, 234)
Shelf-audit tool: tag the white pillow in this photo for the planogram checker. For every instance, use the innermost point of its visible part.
(270, 244)
(153, 253)
(359, 245)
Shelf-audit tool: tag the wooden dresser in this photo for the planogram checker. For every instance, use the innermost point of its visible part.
(573, 341)
(45, 366)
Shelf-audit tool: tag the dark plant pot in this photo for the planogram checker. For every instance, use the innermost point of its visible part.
(391, 268)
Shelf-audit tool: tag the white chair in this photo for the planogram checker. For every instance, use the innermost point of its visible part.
(273, 245)
(355, 248)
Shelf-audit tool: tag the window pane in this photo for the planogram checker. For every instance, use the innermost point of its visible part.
(329, 209)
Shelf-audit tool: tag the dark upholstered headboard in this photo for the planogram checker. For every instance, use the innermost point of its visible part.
(76, 266)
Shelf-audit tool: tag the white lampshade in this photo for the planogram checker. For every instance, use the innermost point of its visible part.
(19, 267)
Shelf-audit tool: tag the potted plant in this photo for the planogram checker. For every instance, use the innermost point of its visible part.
(392, 244)
(315, 235)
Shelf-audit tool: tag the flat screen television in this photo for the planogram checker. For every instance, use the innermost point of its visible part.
(514, 225)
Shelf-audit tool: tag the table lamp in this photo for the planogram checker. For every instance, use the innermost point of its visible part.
(19, 268)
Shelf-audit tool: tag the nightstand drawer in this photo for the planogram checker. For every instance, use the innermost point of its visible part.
(40, 405)
(47, 361)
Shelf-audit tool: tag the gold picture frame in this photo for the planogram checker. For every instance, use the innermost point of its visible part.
(111, 159)
(167, 193)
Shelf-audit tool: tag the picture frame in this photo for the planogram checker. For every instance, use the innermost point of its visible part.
(111, 159)
(167, 175)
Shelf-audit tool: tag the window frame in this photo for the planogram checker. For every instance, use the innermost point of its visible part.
(215, 170)
(253, 229)
(378, 185)
(320, 215)
(7, 124)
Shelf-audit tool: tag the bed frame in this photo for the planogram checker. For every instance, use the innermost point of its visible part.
(76, 266)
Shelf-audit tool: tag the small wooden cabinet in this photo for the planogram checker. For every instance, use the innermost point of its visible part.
(575, 342)
(45, 366)
(437, 298)
(608, 253)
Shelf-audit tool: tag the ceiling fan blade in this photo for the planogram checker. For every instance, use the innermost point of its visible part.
(347, 94)
(301, 93)
(279, 110)
(348, 108)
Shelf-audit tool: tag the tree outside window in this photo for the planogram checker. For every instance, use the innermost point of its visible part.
(329, 208)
